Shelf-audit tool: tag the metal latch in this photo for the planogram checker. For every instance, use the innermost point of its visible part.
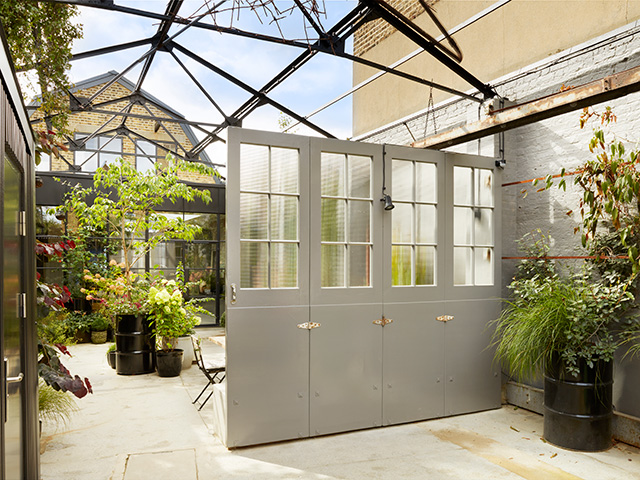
(383, 321)
(234, 294)
(444, 318)
(308, 325)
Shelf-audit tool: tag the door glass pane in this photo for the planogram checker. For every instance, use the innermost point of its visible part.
(359, 176)
(483, 226)
(462, 226)
(254, 216)
(484, 266)
(402, 223)
(254, 167)
(333, 220)
(359, 221)
(426, 182)
(401, 264)
(484, 188)
(284, 265)
(284, 170)
(332, 271)
(284, 218)
(402, 180)
(254, 265)
(332, 174)
(359, 265)
(425, 265)
(462, 186)
(462, 266)
(426, 228)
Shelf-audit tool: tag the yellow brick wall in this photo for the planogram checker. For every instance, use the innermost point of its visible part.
(87, 122)
(373, 32)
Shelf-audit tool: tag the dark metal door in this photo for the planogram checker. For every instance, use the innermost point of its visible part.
(12, 333)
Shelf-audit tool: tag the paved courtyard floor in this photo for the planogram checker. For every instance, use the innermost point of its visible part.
(145, 427)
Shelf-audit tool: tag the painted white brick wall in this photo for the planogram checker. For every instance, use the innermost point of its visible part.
(544, 148)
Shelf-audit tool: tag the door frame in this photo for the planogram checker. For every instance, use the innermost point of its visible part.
(16, 141)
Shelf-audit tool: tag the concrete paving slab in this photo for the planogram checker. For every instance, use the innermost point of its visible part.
(134, 424)
(169, 465)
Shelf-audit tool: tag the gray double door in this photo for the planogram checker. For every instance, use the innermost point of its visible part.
(343, 315)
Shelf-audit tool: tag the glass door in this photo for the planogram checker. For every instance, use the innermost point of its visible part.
(13, 363)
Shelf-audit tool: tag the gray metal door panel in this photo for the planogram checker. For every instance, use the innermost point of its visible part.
(472, 377)
(267, 355)
(345, 368)
(267, 375)
(413, 371)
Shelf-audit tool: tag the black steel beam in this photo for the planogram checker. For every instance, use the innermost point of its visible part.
(411, 31)
(249, 89)
(111, 49)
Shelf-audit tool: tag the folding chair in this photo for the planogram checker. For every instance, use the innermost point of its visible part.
(215, 373)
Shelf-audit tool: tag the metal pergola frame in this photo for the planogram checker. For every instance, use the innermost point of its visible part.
(329, 41)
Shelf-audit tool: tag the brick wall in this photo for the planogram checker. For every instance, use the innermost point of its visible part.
(88, 122)
(374, 31)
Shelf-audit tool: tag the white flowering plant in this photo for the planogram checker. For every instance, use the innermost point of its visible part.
(171, 316)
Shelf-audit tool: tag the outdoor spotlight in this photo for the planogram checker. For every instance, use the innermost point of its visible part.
(388, 204)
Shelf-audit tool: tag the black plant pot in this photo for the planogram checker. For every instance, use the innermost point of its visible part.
(169, 363)
(111, 359)
(578, 409)
(135, 345)
(134, 363)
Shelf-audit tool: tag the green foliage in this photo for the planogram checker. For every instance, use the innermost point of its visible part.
(77, 322)
(575, 316)
(40, 35)
(54, 406)
(124, 201)
(535, 246)
(53, 328)
(99, 323)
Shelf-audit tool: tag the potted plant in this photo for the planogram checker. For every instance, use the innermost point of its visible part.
(111, 356)
(78, 327)
(172, 318)
(99, 326)
(567, 327)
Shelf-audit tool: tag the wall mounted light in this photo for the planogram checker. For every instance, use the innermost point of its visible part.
(388, 204)
(386, 198)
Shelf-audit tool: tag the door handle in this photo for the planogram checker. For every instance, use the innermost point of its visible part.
(9, 380)
(17, 379)
(234, 294)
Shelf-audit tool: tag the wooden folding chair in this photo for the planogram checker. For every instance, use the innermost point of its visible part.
(215, 373)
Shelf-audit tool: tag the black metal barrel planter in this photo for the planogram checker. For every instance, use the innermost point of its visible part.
(578, 409)
(135, 345)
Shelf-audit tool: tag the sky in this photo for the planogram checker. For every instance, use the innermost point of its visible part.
(252, 61)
